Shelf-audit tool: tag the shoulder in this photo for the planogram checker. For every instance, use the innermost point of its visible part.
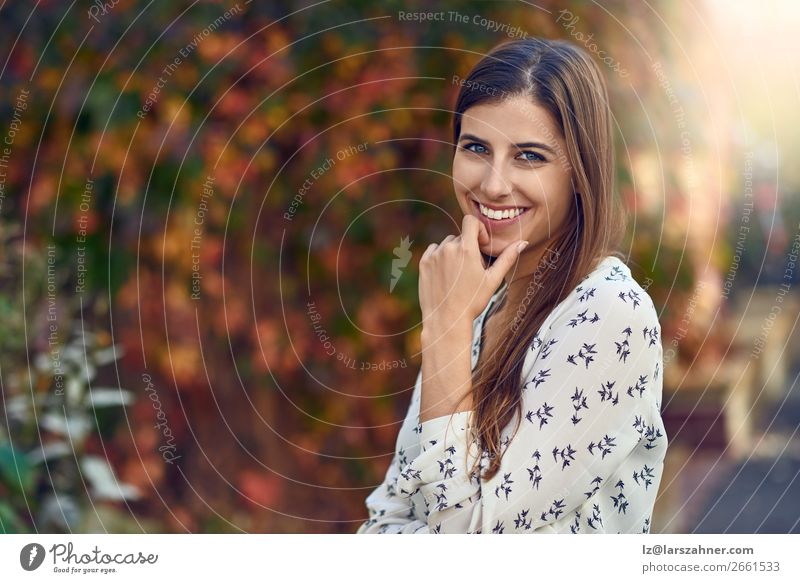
(608, 296)
(606, 330)
(613, 277)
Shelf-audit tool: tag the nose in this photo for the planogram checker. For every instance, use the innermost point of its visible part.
(494, 184)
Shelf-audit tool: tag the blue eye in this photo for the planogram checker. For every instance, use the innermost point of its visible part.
(536, 156)
(468, 146)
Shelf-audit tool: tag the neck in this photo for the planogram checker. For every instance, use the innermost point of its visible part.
(523, 279)
(525, 267)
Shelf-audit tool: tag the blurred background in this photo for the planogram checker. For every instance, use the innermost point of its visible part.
(212, 213)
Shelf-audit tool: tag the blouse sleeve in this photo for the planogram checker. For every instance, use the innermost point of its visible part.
(390, 513)
(585, 397)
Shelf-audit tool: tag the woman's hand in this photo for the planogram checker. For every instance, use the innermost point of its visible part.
(454, 283)
(454, 287)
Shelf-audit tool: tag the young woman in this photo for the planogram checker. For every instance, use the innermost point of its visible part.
(538, 404)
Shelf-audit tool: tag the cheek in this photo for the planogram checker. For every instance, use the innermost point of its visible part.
(556, 194)
(465, 174)
(559, 209)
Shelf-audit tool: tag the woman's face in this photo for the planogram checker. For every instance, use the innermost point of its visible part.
(512, 156)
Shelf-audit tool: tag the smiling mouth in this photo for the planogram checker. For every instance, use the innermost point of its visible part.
(497, 218)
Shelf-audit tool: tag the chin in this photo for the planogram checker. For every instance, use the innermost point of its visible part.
(494, 248)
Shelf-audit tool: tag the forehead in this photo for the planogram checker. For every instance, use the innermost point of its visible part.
(513, 120)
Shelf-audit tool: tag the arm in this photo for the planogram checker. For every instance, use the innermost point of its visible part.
(388, 512)
(585, 396)
(389, 508)
(446, 368)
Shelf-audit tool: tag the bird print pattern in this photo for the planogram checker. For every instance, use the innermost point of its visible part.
(589, 452)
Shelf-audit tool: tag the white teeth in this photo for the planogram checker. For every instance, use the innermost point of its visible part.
(497, 215)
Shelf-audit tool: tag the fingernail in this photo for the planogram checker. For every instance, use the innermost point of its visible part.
(521, 245)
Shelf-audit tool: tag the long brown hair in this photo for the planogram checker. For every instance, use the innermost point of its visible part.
(563, 79)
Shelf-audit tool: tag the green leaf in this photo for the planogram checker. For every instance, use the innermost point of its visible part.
(15, 470)
(10, 523)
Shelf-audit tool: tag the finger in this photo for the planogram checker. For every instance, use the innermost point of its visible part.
(503, 263)
(470, 226)
(483, 234)
(429, 250)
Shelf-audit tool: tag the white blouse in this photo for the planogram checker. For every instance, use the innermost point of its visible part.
(589, 453)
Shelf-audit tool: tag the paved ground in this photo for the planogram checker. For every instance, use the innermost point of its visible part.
(762, 493)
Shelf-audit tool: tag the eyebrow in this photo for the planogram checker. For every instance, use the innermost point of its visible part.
(521, 145)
